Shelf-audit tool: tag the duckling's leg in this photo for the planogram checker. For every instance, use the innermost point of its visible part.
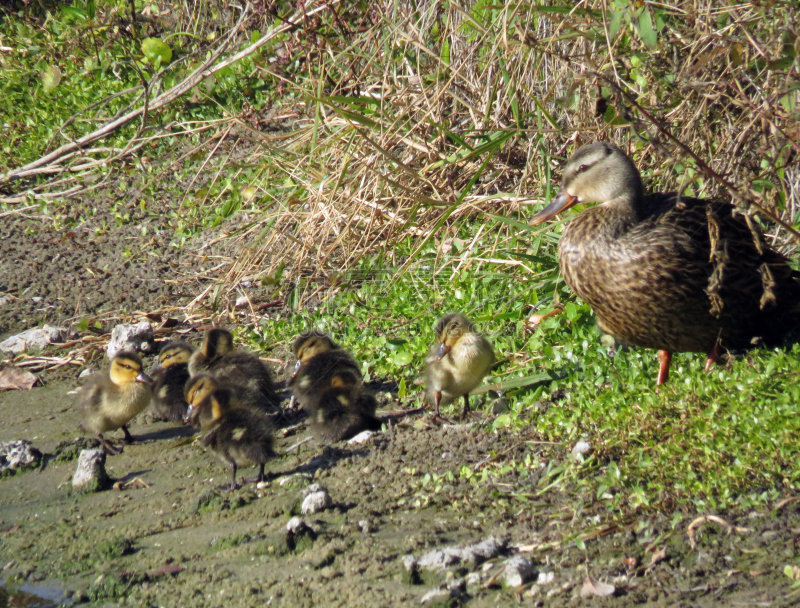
(713, 355)
(664, 357)
(233, 485)
(437, 398)
(128, 436)
(466, 406)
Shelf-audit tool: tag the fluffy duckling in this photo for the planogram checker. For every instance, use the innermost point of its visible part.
(239, 436)
(321, 363)
(342, 412)
(327, 382)
(457, 362)
(217, 357)
(110, 400)
(169, 379)
(201, 386)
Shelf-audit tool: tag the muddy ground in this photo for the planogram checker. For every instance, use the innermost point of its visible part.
(173, 539)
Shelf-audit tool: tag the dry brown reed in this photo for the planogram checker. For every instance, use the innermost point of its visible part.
(416, 116)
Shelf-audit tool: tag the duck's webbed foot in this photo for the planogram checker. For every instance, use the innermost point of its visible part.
(713, 355)
(128, 437)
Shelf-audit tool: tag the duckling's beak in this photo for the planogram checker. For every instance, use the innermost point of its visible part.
(563, 201)
(144, 378)
(188, 415)
(443, 350)
(296, 368)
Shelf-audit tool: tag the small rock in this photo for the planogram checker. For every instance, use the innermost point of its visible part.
(518, 571)
(581, 448)
(545, 578)
(473, 555)
(474, 579)
(33, 339)
(314, 488)
(298, 526)
(242, 302)
(90, 475)
(362, 437)
(138, 338)
(409, 562)
(441, 595)
(316, 503)
(18, 455)
(364, 526)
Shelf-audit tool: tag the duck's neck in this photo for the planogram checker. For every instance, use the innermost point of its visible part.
(616, 217)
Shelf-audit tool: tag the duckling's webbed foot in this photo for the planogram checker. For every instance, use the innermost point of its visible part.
(465, 411)
(664, 358)
(109, 447)
(257, 478)
(233, 485)
(128, 437)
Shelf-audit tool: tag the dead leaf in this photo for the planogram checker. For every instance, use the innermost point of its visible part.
(593, 587)
(168, 569)
(658, 555)
(13, 378)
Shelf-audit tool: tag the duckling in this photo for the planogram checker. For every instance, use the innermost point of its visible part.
(342, 412)
(201, 386)
(169, 379)
(110, 400)
(321, 363)
(327, 382)
(457, 362)
(217, 357)
(239, 436)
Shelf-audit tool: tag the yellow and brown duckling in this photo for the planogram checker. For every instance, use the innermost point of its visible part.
(327, 382)
(217, 357)
(321, 363)
(457, 362)
(342, 412)
(198, 387)
(668, 272)
(240, 436)
(169, 380)
(111, 399)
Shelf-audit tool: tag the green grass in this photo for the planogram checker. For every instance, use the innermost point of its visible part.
(706, 440)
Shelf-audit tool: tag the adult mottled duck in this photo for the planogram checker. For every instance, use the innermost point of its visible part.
(667, 272)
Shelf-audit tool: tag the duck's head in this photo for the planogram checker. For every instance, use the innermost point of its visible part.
(310, 344)
(175, 353)
(449, 330)
(210, 408)
(126, 368)
(596, 173)
(217, 342)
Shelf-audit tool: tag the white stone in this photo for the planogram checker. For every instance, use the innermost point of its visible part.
(518, 571)
(138, 338)
(90, 474)
(362, 437)
(18, 454)
(316, 502)
(33, 339)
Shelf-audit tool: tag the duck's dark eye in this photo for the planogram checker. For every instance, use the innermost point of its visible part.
(582, 168)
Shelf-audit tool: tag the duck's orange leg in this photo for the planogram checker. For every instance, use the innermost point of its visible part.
(713, 356)
(664, 357)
